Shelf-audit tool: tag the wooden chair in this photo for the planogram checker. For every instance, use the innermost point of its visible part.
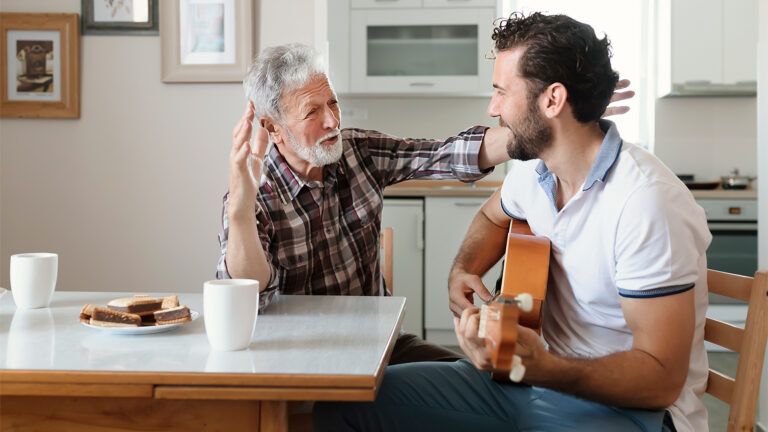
(740, 393)
(386, 241)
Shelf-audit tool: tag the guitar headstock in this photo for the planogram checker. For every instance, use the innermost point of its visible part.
(498, 326)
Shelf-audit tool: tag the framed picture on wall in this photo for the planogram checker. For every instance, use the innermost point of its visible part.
(120, 17)
(205, 40)
(39, 64)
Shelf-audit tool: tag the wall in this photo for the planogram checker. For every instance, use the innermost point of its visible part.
(707, 137)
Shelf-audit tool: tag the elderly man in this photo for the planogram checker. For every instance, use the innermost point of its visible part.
(624, 318)
(310, 224)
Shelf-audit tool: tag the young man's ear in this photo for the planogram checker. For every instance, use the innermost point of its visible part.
(272, 129)
(554, 98)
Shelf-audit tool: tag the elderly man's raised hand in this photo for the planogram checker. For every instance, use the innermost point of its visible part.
(245, 164)
(619, 96)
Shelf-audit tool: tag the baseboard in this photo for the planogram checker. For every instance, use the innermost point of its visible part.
(760, 428)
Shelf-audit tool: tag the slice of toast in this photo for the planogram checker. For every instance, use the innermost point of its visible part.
(174, 315)
(170, 301)
(140, 305)
(86, 313)
(105, 317)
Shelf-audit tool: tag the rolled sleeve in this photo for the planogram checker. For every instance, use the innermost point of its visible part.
(400, 159)
(222, 272)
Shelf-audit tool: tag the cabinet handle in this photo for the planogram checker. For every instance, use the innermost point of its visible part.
(467, 204)
(420, 231)
(422, 84)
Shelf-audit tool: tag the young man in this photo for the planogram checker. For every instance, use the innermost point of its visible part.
(624, 314)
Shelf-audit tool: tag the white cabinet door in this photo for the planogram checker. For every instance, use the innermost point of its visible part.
(406, 217)
(739, 41)
(447, 223)
(697, 40)
(376, 4)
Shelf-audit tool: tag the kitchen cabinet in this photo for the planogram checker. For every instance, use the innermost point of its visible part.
(409, 47)
(406, 217)
(448, 220)
(707, 47)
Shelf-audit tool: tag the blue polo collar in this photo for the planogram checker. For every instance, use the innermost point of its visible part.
(601, 167)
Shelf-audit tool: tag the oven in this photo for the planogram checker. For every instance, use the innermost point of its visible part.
(733, 224)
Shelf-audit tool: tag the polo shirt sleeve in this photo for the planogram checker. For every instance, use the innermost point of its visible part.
(511, 191)
(660, 238)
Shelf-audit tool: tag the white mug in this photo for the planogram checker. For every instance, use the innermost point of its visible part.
(230, 307)
(33, 279)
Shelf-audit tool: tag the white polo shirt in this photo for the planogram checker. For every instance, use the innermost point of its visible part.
(633, 230)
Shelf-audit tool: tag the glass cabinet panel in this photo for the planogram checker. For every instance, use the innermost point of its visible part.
(418, 50)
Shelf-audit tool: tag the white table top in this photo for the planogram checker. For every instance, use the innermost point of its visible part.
(318, 335)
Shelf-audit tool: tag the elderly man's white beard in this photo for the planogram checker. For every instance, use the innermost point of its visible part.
(318, 154)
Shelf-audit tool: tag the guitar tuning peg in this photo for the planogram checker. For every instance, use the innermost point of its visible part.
(483, 322)
(518, 370)
(525, 302)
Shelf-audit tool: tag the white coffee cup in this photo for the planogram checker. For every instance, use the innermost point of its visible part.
(230, 307)
(33, 279)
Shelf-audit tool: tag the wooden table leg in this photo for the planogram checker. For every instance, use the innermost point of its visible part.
(273, 416)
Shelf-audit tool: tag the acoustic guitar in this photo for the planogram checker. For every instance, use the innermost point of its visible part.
(520, 300)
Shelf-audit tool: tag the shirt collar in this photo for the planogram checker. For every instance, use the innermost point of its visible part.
(285, 180)
(604, 161)
(606, 156)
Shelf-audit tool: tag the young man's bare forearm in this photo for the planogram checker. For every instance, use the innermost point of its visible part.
(245, 256)
(482, 246)
(633, 379)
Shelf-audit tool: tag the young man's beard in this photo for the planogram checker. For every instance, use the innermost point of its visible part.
(530, 136)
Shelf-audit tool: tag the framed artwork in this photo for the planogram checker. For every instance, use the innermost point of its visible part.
(39, 65)
(120, 17)
(206, 40)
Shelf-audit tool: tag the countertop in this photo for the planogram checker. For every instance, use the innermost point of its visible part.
(453, 188)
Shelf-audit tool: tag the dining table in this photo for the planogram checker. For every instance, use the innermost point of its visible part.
(57, 374)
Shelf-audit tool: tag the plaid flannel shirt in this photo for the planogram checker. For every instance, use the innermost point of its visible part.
(322, 237)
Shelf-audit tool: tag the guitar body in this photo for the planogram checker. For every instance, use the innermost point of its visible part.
(523, 290)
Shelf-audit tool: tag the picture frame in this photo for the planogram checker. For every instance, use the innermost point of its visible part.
(39, 65)
(120, 17)
(205, 40)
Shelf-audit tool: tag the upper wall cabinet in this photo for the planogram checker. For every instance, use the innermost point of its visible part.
(410, 47)
(707, 47)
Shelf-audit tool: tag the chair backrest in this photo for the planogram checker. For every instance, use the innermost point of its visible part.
(740, 393)
(386, 239)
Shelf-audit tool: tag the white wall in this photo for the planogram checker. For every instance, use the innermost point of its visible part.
(762, 157)
(707, 137)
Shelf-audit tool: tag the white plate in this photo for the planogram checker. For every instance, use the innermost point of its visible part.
(142, 330)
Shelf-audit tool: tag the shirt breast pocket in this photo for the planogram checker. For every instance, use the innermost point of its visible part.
(293, 269)
(361, 235)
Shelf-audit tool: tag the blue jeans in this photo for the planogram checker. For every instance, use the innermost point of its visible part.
(458, 397)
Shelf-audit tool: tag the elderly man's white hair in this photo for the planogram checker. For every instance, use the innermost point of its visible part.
(277, 71)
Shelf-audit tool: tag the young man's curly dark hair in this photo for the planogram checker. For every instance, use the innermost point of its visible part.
(561, 49)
